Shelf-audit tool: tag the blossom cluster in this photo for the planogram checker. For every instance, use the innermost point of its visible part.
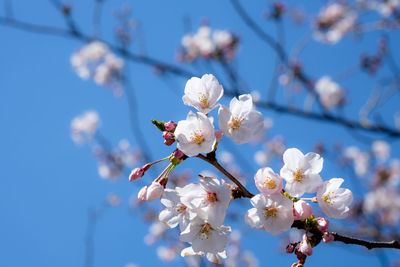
(198, 210)
(207, 44)
(95, 60)
(333, 22)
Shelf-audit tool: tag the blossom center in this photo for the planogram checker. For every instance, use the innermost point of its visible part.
(212, 197)
(298, 176)
(203, 101)
(180, 208)
(270, 183)
(270, 212)
(205, 231)
(327, 199)
(235, 123)
(197, 138)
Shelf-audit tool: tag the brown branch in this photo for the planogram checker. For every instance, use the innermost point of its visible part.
(210, 158)
(368, 244)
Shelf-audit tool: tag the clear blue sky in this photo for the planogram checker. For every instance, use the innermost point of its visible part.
(47, 183)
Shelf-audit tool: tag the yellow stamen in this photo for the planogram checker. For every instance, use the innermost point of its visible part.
(270, 212)
(205, 231)
(235, 123)
(298, 176)
(270, 184)
(212, 197)
(203, 100)
(197, 138)
(180, 208)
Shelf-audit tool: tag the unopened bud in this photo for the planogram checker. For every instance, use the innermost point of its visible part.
(305, 246)
(136, 173)
(170, 126)
(328, 237)
(154, 191)
(290, 247)
(322, 224)
(142, 193)
(301, 210)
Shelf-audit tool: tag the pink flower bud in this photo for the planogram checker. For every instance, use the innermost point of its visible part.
(328, 237)
(136, 173)
(169, 142)
(142, 193)
(290, 247)
(178, 154)
(305, 246)
(322, 224)
(170, 126)
(301, 210)
(168, 135)
(154, 191)
(218, 135)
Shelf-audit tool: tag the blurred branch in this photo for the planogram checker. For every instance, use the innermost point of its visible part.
(164, 67)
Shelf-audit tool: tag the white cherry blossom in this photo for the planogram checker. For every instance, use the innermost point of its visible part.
(267, 181)
(84, 126)
(301, 172)
(195, 135)
(215, 258)
(329, 92)
(333, 200)
(206, 237)
(273, 213)
(203, 93)
(241, 121)
(175, 212)
(210, 199)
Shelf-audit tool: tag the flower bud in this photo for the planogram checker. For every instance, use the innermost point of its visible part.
(305, 246)
(328, 237)
(301, 210)
(169, 138)
(170, 126)
(136, 173)
(142, 193)
(322, 224)
(154, 191)
(178, 154)
(290, 247)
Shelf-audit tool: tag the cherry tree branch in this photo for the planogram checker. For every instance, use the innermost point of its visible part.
(164, 67)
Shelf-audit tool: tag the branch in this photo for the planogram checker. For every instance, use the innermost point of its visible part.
(180, 72)
(368, 244)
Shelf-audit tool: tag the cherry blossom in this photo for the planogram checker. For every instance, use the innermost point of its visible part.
(267, 181)
(203, 93)
(333, 200)
(241, 121)
(206, 237)
(195, 135)
(175, 212)
(210, 198)
(301, 172)
(330, 93)
(84, 126)
(273, 213)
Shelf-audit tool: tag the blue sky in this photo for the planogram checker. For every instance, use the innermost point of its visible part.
(47, 183)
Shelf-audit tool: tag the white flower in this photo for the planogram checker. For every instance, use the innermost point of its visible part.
(84, 126)
(301, 210)
(381, 149)
(359, 158)
(203, 94)
(241, 122)
(205, 237)
(175, 212)
(166, 254)
(384, 201)
(268, 182)
(195, 135)
(223, 39)
(333, 22)
(95, 60)
(333, 200)
(273, 213)
(301, 172)
(329, 92)
(210, 199)
(216, 258)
